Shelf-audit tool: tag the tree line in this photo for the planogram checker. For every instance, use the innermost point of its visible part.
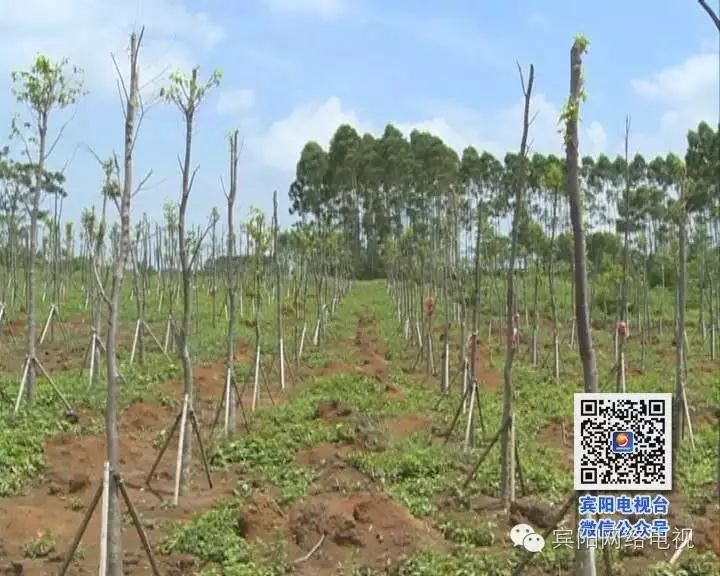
(378, 190)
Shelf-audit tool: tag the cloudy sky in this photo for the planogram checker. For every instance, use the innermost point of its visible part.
(293, 70)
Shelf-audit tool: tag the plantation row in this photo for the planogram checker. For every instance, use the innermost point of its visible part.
(558, 270)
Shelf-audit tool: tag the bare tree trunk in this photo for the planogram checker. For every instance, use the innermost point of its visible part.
(680, 367)
(32, 249)
(213, 292)
(138, 288)
(584, 556)
(114, 540)
(231, 282)
(507, 444)
(445, 377)
(278, 293)
(536, 314)
(186, 291)
(553, 296)
(626, 231)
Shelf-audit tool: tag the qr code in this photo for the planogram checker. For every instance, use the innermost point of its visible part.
(623, 441)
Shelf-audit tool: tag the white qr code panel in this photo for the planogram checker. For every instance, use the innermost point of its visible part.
(623, 441)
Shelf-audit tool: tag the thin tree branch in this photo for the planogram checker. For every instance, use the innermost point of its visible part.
(97, 157)
(26, 145)
(103, 295)
(69, 161)
(534, 116)
(142, 183)
(200, 241)
(155, 78)
(59, 135)
(144, 109)
(222, 185)
(192, 178)
(121, 82)
(522, 78)
(715, 18)
(311, 552)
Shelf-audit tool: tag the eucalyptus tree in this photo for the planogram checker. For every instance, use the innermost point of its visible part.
(584, 555)
(167, 269)
(97, 229)
(395, 174)
(476, 173)
(45, 88)
(375, 203)
(187, 93)
(13, 221)
(471, 175)
(58, 197)
(278, 291)
(308, 192)
(214, 217)
(342, 178)
(519, 177)
(132, 105)
(553, 179)
(678, 176)
(703, 164)
(311, 197)
(138, 258)
(260, 242)
(300, 243)
(603, 180)
(231, 284)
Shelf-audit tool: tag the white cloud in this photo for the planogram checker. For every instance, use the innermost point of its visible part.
(235, 101)
(282, 143)
(686, 94)
(326, 9)
(681, 84)
(496, 131)
(88, 31)
(596, 138)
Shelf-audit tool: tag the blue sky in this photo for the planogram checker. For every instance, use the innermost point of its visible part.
(293, 70)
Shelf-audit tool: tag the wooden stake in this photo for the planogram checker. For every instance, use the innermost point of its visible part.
(104, 518)
(181, 444)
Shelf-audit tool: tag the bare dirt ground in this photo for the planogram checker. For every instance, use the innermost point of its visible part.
(344, 510)
(364, 522)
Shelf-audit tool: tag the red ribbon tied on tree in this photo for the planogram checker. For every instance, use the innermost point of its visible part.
(622, 328)
(429, 306)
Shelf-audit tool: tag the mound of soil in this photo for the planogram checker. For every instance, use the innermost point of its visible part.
(394, 391)
(260, 516)
(363, 524)
(539, 514)
(333, 474)
(141, 416)
(332, 367)
(332, 411)
(408, 425)
(209, 379)
(322, 454)
(372, 350)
